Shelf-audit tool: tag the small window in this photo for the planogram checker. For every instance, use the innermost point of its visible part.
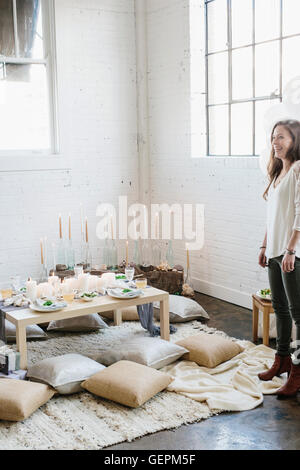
(27, 94)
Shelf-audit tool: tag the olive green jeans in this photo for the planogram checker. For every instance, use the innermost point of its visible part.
(285, 289)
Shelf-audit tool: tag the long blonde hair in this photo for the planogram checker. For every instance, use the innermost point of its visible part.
(275, 164)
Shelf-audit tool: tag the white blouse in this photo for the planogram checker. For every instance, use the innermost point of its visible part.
(283, 212)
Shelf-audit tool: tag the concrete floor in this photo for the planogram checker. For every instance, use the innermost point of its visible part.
(275, 424)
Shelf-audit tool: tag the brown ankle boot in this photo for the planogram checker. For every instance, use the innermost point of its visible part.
(281, 364)
(292, 385)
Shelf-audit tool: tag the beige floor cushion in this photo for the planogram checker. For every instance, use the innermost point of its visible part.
(182, 309)
(32, 332)
(151, 352)
(128, 314)
(19, 398)
(78, 324)
(64, 373)
(209, 350)
(128, 383)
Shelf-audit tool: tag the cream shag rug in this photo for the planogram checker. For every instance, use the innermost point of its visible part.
(83, 421)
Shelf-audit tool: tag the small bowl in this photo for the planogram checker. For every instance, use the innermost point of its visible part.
(86, 298)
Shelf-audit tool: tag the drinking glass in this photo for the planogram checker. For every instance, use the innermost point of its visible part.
(5, 290)
(78, 270)
(15, 282)
(67, 289)
(129, 272)
(141, 283)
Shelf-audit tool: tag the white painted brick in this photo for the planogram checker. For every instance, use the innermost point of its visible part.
(96, 68)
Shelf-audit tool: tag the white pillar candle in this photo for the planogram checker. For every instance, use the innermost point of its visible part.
(93, 283)
(109, 279)
(44, 290)
(31, 290)
(83, 282)
(100, 284)
(53, 280)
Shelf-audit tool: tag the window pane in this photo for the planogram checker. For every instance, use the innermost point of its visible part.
(7, 43)
(217, 25)
(218, 78)
(242, 73)
(241, 22)
(290, 62)
(267, 20)
(261, 138)
(291, 14)
(218, 130)
(24, 117)
(241, 129)
(267, 69)
(30, 34)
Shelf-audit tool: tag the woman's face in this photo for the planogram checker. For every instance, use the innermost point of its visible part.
(281, 141)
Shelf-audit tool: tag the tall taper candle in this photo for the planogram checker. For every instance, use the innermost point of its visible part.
(60, 229)
(86, 231)
(126, 252)
(42, 252)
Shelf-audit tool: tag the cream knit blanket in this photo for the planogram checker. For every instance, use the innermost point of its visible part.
(231, 386)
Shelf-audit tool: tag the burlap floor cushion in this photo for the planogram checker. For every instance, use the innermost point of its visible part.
(209, 350)
(20, 398)
(128, 314)
(128, 383)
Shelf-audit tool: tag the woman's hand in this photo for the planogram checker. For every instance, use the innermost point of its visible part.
(262, 259)
(288, 263)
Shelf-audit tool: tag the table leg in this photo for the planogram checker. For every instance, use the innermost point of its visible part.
(266, 327)
(255, 313)
(21, 345)
(165, 319)
(117, 317)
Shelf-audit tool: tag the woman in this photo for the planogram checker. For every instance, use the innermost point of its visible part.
(281, 247)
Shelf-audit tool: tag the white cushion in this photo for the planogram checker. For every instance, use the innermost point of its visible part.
(32, 332)
(182, 309)
(151, 352)
(85, 323)
(64, 373)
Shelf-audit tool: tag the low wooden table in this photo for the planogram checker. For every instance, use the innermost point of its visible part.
(264, 306)
(24, 317)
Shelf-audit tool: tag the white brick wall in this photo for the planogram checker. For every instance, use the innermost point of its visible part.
(97, 117)
(230, 188)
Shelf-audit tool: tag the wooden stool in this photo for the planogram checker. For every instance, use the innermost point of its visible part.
(266, 307)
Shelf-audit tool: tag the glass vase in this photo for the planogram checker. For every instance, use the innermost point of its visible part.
(70, 256)
(136, 253)
(170, 254)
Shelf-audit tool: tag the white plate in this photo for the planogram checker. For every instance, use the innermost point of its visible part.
(118, 294)
(47, 309)
(266, 297)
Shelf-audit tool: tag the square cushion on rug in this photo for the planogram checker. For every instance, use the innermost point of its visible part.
(78, 324)
(19, 398)
(32, 332)
(64, 373)
(209, 350)
(182, 309)
(128, 383)
(128, 314)
(151, 352)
